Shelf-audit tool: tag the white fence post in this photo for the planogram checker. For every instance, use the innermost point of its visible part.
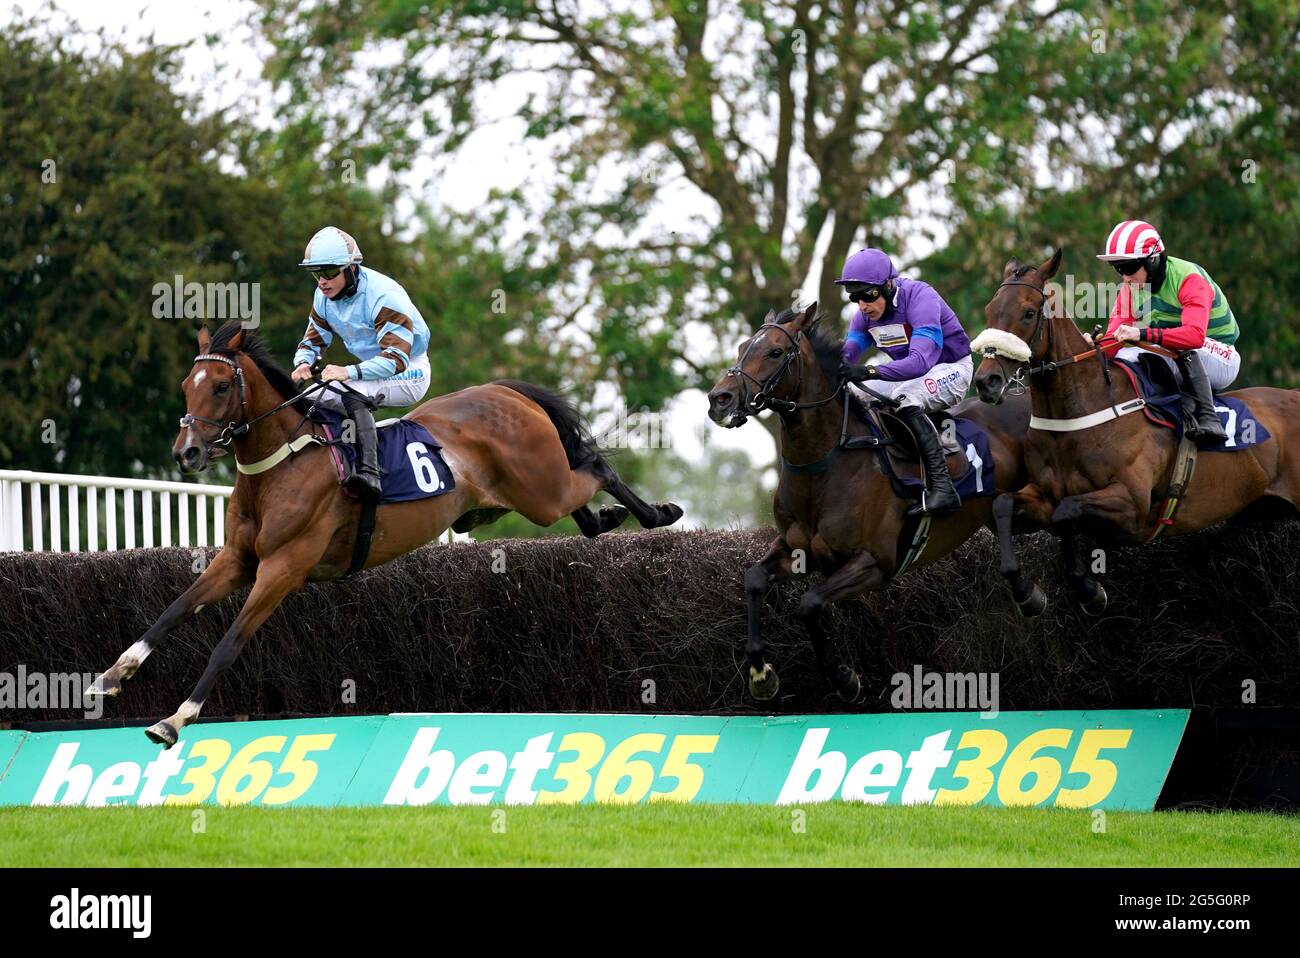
(73, 520)
(37, 525)
(18, 526)
(56, 531)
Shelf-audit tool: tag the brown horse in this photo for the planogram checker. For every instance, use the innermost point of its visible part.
(1108, 481)
(836, 509)
(510, 446)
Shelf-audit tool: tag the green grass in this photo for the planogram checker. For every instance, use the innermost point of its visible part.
(834, 834)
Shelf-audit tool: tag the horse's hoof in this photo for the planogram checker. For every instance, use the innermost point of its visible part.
(102, 689)
(162, 733)
(669, 512)
(847, 684)
(611, 517)
(763, 686)
(1035, 605)
(1097, 604)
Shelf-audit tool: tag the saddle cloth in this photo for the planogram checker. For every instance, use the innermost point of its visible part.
(1155, 383)
(966, 447)
(410, 461)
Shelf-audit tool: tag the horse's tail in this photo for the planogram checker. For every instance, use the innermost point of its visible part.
(579, 446)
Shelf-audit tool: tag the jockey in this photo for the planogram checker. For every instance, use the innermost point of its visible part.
(1186, 312)
(380, 325)
(930, 367)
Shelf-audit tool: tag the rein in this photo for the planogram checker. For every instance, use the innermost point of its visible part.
(1015, 384)
(764, 400)
(234, 429)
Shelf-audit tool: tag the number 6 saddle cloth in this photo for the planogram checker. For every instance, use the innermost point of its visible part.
(410, 459)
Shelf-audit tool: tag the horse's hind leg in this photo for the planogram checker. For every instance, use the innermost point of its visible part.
(277, 576)
(856, 576)
(593, 524)
(1087, 591)
(651, 516)
(227, 573)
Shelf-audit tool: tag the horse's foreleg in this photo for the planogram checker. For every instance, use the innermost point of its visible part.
(856, 576)
(277, 576)
(1088, 592)
(1115, 504)
(1027, 503)
(228, 572)
(763, 682)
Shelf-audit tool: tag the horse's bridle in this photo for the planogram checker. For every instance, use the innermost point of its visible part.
(763, 398)
(1015, 384)
(231, 429)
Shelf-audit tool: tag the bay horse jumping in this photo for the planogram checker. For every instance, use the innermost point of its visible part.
(511, 446)
(1108, 480)
(834, 503)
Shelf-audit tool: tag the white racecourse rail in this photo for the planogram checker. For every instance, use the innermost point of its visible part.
(49, 511)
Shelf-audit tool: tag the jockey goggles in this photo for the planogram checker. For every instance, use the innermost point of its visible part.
(324, 272)
(866, 294)
(1127, 267)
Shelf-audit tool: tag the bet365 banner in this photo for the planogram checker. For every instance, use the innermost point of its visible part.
(1109, 759)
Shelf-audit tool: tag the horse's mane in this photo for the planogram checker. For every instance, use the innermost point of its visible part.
(259, 352)
(827, 350)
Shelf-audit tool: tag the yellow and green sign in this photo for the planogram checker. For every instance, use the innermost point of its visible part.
(1108, 759)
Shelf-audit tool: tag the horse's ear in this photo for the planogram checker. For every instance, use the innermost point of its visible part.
(1012, 265)
(1048, 269)
(204, 339)
(805, 319)
(770, 317)
(237, 341)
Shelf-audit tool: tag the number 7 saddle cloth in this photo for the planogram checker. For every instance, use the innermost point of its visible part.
(1165, 407)
(410, 459)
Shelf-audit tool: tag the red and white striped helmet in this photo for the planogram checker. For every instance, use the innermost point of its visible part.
(1132, 239)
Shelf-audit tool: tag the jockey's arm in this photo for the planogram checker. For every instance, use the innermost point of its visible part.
(314, 342)
(393, 331)
(1195, 296)
(1120, 313)
(855, 343)
(926, 343)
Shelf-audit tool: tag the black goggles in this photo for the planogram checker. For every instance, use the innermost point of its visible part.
(866, 294)
(324, 272)
(1127, 267)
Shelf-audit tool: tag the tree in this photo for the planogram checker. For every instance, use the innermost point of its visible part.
(1225, 194)
(114, 185)
(774, 120)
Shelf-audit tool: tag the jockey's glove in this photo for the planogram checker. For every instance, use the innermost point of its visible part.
(855, 373)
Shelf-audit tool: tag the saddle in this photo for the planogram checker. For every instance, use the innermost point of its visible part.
(901, 450)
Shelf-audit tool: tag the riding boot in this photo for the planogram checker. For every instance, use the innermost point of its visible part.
(364, 481)
(1204, 427)
(939, 496)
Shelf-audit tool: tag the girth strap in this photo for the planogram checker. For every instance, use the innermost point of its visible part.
(365, 529)
(1180, 478)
